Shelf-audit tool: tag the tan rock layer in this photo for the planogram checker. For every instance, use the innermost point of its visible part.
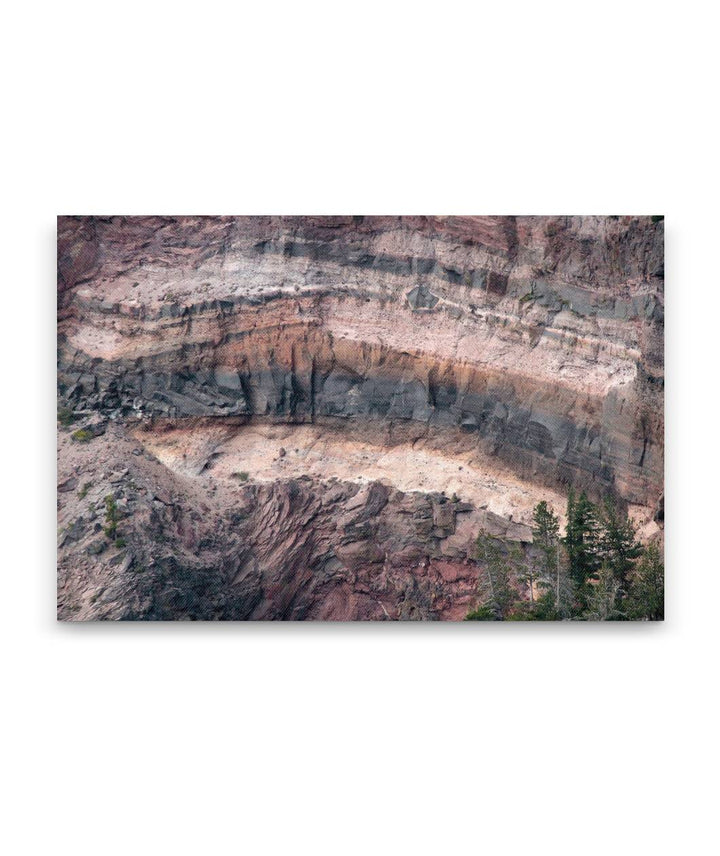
(539, 338)
(208, 549)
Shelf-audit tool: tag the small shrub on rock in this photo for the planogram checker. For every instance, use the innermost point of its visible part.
(112, 515)
(65, 416)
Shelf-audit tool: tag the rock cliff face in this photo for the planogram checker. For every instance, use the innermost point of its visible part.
(524, 351)
(288, 549)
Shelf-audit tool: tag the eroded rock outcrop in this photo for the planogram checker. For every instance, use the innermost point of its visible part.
(531, 343)
(297, 548)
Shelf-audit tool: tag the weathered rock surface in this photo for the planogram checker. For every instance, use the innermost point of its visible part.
(293, 549)
(532, 344)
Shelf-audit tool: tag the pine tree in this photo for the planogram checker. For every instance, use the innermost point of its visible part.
(552, 570)
(581, 542)
(494, 588)
(646, 598)
(618, 545)
(546, 527)
(603, 597)
(531, 575)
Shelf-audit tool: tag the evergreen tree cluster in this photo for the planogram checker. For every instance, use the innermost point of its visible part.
(597, 571)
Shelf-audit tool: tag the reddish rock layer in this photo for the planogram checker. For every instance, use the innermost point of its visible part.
(541, 337)
(528, 348)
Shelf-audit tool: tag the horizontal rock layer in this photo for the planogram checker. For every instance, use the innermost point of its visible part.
(538, 340)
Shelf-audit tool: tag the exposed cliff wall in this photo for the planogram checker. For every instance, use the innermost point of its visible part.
(294, 548)
(535, 340)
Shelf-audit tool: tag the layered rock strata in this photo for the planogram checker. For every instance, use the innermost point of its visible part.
(531, 344)
(541, 338)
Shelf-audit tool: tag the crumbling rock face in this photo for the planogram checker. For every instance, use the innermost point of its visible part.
(533, 344)
(292, 549)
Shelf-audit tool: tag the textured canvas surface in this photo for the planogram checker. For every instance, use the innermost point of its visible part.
(360, 418)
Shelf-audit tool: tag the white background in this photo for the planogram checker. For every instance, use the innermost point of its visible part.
(358, 739)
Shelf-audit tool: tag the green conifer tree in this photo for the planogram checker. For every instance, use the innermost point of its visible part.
(552, 571)
(582, 544)
(646, 598)
(498, 563)
(618, 545)
(602, 597)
